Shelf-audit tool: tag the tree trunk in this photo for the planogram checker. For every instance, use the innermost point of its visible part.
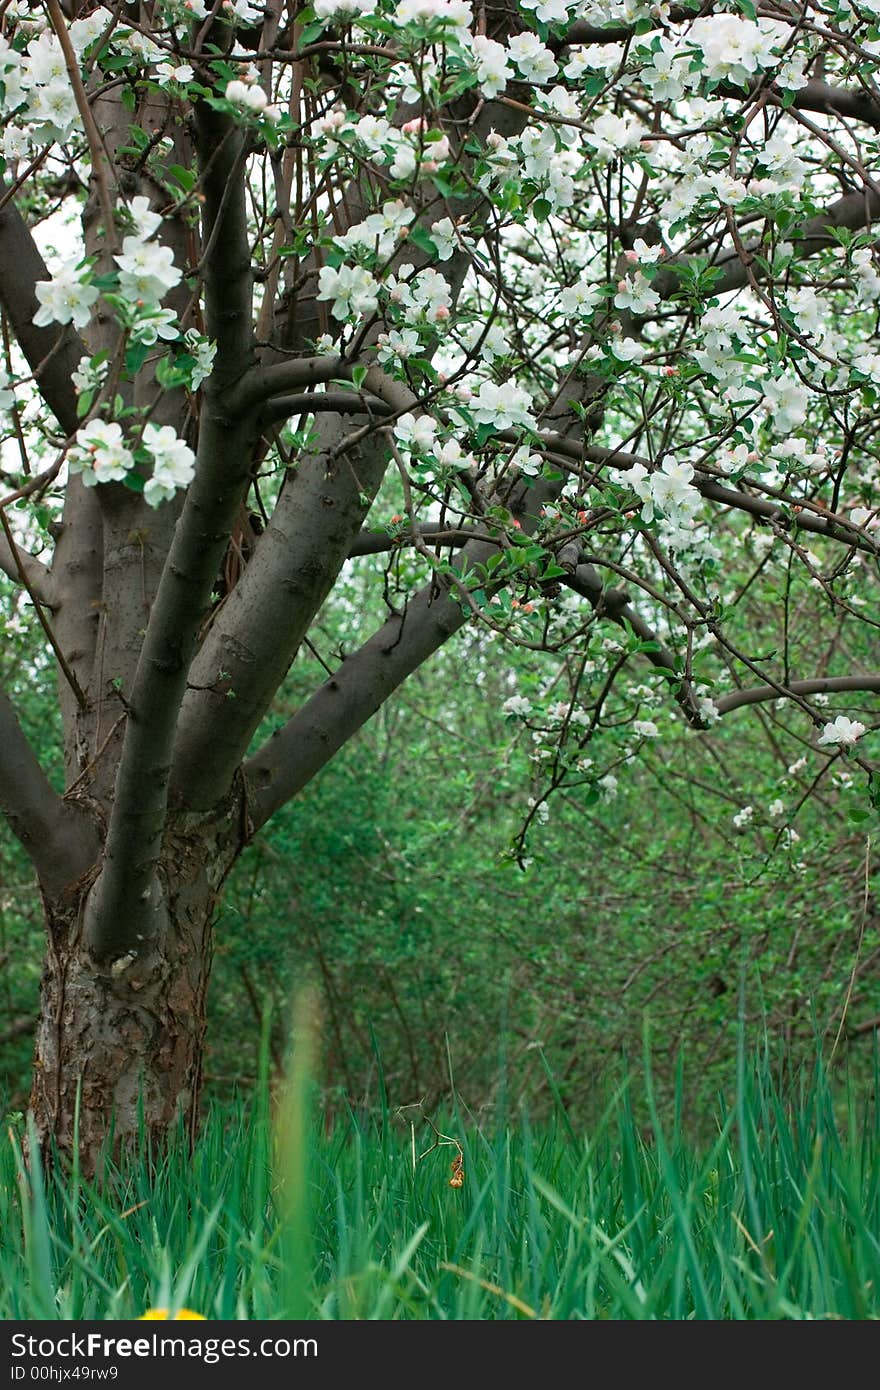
(120, 1041)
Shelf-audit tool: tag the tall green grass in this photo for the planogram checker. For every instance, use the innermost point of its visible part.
(777, 1217)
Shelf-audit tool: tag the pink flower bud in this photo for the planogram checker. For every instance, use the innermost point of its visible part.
(630, 256)
(441, 313)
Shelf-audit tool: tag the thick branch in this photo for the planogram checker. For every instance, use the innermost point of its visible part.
(24, 568)
(345, 702)
(433, 533)
(819, 685)
(365, 680)
(122, 911)
(857, 105)
(52, 353)
(60, 842)
(257, 632)
(280, 378)
(322, 403)
(852, 211)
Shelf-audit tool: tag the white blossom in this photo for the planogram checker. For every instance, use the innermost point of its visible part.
(173, 463)
(493, 69)
(534, 60)
(100, 453)
(416, 432)
(517, 705)
(66, 298)
(352, 289)
(842, 731)
(503, 406)
(146, 269)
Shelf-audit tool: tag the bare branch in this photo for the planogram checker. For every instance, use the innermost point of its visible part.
(280, 378)
(782, 514)
(323, 402)
(59, 840)
(435, 533)
(26, 569)
(614, 604)
(818, 685)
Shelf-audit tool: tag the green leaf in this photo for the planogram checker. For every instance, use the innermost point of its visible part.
(135, 357)
(103, 283)
(185, 177)
(311, 33)
(419, 237)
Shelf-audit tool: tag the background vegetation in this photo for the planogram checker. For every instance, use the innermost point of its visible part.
(442, 965)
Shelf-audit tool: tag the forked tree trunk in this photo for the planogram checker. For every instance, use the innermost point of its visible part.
(120, 1043)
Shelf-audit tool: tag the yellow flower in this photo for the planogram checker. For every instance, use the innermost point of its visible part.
(156, 1313)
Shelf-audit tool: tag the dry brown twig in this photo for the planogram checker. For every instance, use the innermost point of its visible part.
(440, 1141)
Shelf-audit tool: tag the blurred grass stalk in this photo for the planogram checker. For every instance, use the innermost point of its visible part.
(293, 1150)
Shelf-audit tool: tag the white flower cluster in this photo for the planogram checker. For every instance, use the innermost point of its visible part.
(35, 82)
(101, 455)
(721, 331)
(668, 489)
(380, 232)
(146, 272)
(411, 151)
(247, 94)
(66, 298)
